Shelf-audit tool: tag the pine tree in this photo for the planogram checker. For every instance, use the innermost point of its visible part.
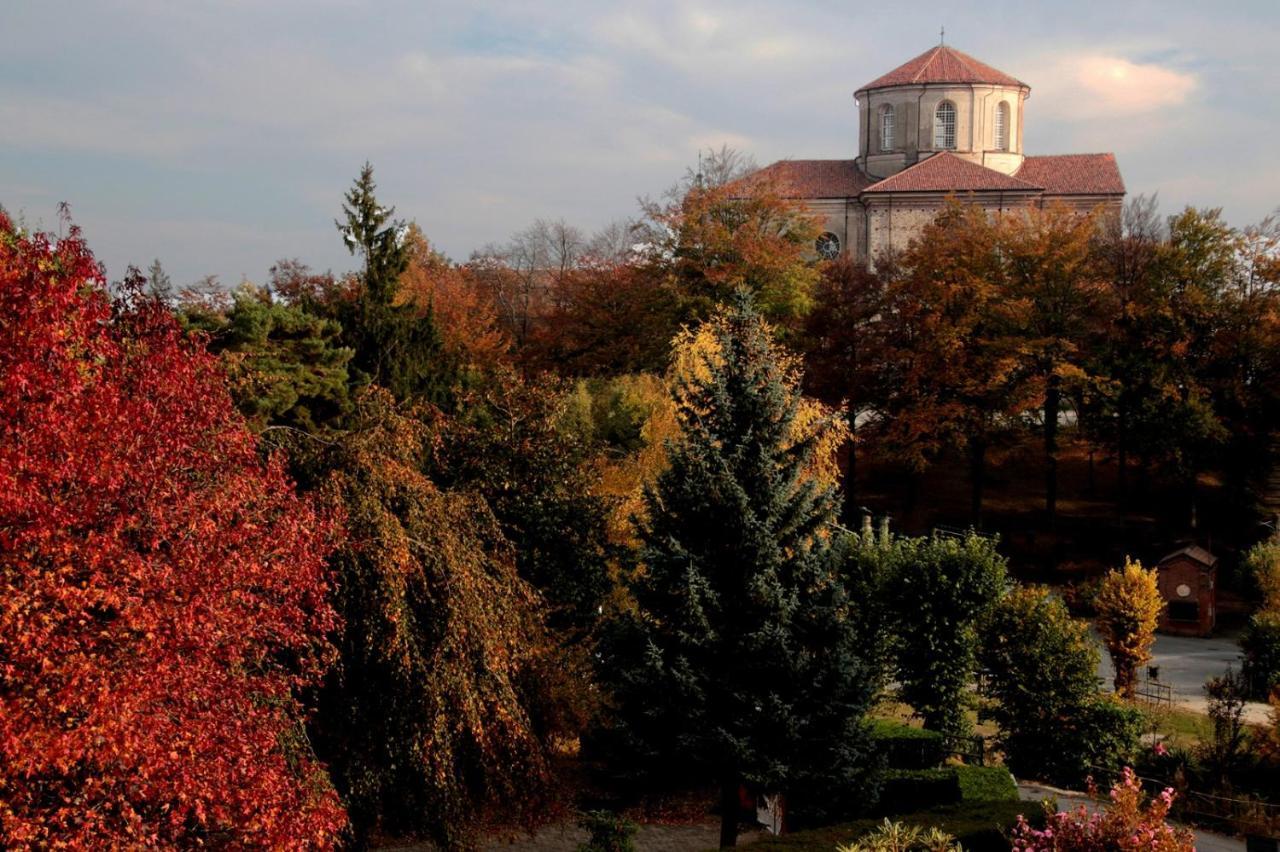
(396, 344)
(741, 665)
(159, 284)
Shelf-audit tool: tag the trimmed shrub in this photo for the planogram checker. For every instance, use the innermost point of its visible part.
(916, 789)
(986, 784)
(906, 747)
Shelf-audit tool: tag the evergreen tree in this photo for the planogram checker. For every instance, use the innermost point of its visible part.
(284, 363)
(741, 665)
(396, 344)
(159, 284)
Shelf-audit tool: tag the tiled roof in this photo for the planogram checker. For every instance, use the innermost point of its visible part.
(1194, 552)
(943, 64)
(1074, 174)
(811, 178)
(946, 172)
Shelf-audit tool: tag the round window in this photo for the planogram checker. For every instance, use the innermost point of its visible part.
(828, 246)
(1183, 590)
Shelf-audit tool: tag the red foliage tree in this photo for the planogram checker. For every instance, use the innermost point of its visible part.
(162, 589)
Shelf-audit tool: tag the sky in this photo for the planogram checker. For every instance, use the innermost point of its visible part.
(220, 136)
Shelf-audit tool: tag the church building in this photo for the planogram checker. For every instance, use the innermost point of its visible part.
(941, 125)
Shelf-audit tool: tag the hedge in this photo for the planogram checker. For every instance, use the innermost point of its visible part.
(906, 747)
(978, 826)
(913, 789)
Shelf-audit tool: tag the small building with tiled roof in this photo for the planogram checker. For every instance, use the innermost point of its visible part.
(1187, 579)
(940, 125)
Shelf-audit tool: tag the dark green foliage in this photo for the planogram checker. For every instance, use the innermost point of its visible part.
(979, 826)
(1261, 645)
(986, 784)
(867, 565)
(510, 445)
(286, 365)
(741, 664)
(1042, 678)
(942, 588)
(397, 345)
(908, 747)
(1225, 753)
(914, 789)
(607, 832)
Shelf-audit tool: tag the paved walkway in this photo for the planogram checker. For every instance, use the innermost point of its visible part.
(1069, 800)
(1185, 664)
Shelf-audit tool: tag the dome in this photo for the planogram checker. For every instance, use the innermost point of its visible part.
(943, 64)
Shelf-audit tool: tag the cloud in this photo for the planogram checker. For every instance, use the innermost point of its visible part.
(1116, 84)
(1094, 85)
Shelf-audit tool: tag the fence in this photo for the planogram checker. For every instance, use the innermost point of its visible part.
(1236, 814)
(973, 750)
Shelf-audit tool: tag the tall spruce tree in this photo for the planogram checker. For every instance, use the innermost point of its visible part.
(397, 344)
(741, 665)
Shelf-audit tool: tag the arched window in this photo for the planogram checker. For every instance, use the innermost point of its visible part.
(827, 246)
(886, 127)
(1002, 126)
(944, 125)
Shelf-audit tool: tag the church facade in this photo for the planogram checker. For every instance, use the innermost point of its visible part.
(939, 126)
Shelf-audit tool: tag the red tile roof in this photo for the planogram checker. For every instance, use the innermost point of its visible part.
(943, 64)
(1074, 174)
(812, 178)
(946, 172)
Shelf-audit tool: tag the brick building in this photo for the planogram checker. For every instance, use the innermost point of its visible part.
(943, 124)
(1188, 583)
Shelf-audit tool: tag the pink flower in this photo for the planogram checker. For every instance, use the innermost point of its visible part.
(1161, 750)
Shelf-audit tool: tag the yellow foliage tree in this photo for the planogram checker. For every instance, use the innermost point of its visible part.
(623, 478)
(1129, 607)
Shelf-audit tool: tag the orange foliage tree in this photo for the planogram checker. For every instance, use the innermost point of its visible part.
(950, 359)
(162, 589)
(463, 312)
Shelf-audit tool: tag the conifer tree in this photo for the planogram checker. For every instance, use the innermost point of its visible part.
(396, 345)
(741, 666)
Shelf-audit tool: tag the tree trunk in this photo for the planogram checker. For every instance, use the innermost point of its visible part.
(729, 813)
(1122, 459)
(849, 509)
(977, 480)
(1052, 401)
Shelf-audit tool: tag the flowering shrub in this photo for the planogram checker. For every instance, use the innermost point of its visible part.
(1127, 824)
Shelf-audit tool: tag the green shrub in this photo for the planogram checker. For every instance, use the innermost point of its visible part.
(1042, 665)
(977, 826)
(607, 832)
(905, 747)
(1261, 646)
(905, 790)
(915, 789)
(986, 784)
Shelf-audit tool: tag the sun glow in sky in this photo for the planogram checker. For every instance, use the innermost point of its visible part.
(219, 135)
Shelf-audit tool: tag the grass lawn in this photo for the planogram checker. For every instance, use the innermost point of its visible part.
(1180, 727)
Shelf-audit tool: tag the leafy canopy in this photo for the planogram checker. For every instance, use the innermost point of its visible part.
(162, 589)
